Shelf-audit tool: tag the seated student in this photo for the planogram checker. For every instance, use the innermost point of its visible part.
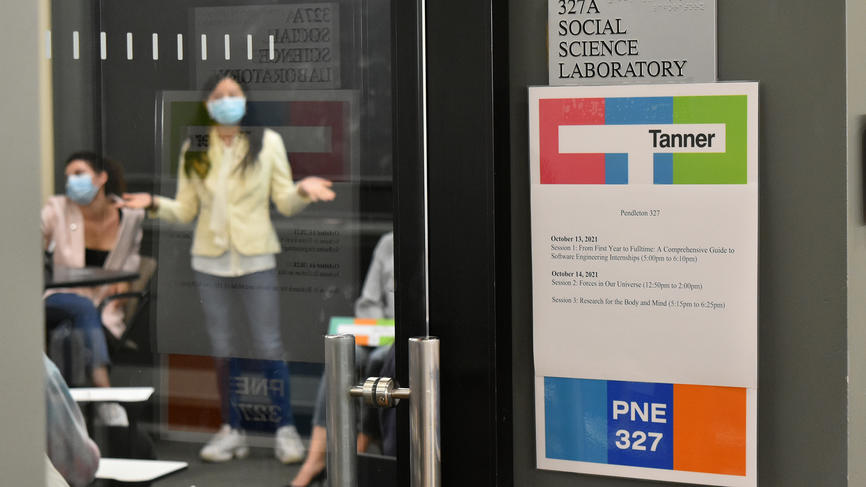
(89, 227)
(381, 423)
(71, 452)
(376, 301)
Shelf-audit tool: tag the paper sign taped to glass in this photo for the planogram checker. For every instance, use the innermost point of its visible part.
(368, 332)
(644, 269)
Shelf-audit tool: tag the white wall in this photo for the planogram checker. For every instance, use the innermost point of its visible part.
(22, 416)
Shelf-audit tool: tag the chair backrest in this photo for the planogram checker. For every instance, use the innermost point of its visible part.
(146, 269)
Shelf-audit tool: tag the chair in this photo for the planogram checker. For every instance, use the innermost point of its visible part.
(137, 298)
(65, 347)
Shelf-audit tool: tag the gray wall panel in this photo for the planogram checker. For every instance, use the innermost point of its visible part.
(856, 51)
(22, 411)
(77, 116)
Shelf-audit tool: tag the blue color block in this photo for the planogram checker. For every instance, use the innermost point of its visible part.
(642, 110)
(616, 169)
(268, 114)
(640, 424)
(663, 168)
(575, 423)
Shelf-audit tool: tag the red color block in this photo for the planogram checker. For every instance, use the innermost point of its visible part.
(710, 429)
(559, 168)
(334, 164)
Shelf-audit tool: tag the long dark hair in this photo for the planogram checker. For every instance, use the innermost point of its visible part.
(116, 183)
(256, 134)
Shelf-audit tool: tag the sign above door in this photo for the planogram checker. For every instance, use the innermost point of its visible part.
(597, 42)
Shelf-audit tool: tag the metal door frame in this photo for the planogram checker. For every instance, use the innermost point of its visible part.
(468, 182)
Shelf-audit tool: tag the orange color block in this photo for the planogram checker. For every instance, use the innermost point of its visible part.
(710, 429)
(362, 340)
(366, 321)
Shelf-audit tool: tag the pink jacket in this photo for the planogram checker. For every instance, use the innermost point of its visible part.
(63, 224)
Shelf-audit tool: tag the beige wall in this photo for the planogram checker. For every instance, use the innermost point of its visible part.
(856, 94)
(22, 416)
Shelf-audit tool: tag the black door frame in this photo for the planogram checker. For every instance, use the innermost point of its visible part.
(469, 227)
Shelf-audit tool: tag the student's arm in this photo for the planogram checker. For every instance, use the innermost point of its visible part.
(71, 451)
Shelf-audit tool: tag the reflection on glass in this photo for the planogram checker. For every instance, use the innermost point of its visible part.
(266, 129)
(374, 309)
(224, 185)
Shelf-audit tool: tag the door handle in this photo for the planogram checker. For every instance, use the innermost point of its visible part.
(425, 455)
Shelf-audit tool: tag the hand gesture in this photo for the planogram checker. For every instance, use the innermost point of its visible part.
(137, 200)
(316, 188)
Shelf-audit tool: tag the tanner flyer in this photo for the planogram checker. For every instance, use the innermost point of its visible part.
(644, 267)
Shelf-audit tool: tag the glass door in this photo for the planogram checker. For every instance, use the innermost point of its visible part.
(260, 167)
(245, 163)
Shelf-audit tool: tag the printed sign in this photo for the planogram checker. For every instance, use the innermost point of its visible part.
(644, 248)
(594, 42)
(255, 396)
(271, 46)
(368, 332)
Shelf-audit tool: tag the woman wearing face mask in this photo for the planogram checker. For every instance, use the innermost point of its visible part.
(227, 187)
(89, 227)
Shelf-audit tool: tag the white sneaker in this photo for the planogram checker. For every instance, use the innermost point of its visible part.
(111, 414)
(228, 443)
(288, 447)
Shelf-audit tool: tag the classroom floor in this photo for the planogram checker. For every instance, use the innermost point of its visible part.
(260, 468)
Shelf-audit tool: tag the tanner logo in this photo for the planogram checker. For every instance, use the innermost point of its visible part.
(643, 140)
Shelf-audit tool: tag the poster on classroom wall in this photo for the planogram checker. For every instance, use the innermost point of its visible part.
(644, 277)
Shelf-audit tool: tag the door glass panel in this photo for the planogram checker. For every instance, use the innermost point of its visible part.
(234, 159)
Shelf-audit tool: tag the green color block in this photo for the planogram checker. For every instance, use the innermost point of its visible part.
(184, 114)
(729, 167)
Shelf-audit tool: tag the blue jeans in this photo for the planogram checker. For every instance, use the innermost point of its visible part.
(258, 295)
(85, 317)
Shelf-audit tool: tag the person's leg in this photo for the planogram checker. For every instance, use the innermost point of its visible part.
(315, 461)
(376, 360)
(261, 299)
(226, 368)
(84, 317)
(218, 297)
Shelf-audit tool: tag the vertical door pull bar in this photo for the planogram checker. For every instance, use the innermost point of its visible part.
(340, 374)
(425, 458)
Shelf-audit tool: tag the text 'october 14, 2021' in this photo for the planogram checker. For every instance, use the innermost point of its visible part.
(644, 280)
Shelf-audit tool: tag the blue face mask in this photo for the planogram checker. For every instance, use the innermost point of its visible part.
(228, 110)
(80, 188)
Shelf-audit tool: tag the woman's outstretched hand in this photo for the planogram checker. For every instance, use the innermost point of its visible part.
(316, 188)
(137, 200)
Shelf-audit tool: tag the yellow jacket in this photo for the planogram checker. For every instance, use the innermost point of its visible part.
(249, 219)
